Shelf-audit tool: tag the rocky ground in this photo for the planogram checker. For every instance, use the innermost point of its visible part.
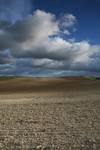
(50, 123)
(68, 120)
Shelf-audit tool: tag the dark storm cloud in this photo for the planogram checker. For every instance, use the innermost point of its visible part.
(5, 57)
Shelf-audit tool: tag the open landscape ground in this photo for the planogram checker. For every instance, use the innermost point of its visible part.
(49, 114)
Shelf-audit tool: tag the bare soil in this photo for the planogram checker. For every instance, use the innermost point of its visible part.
(49, 114)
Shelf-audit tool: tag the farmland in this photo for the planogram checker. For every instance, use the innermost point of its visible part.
(49, 114)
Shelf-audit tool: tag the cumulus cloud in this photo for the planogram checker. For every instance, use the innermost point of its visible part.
(66, 22)
(35, 46)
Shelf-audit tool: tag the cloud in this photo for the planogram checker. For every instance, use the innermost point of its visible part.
(13, 10)
(33, 37)
(29, 32)
(36, 47)
(5, 57)
(67, 22)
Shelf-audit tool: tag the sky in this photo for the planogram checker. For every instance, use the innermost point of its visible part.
(49, 38)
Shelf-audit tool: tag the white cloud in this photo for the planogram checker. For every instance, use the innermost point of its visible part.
(37, 37)
(66, 22)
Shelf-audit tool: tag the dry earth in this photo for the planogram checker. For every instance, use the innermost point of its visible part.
(49, 114)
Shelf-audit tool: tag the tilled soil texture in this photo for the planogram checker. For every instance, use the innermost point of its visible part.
(66, 120)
